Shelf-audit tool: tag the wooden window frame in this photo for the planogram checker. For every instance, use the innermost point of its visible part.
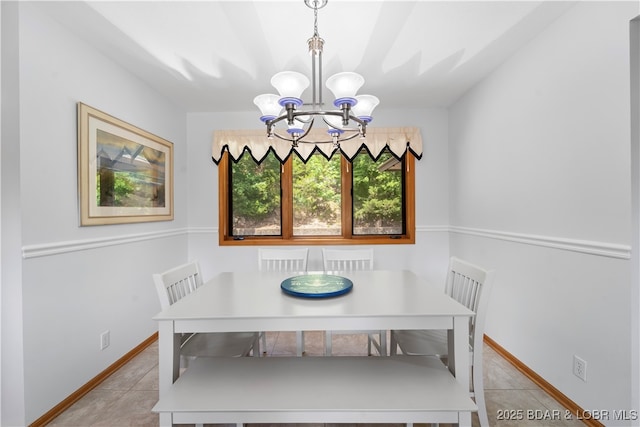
(287, 237)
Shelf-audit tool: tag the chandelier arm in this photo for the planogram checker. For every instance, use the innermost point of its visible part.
(362, 123)
(328, 141)
(349, 137)
(295, 141)
(271, 123)
(352, 134)
(297, 114)
(326, 113)
(290, 110)
(285, 117)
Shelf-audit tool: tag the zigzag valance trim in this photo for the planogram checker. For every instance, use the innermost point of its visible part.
(398, 141)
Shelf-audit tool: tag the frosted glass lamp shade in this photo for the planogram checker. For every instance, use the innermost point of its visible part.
(344, 87)
(364, 107)
(334, 123)
(268, 105)
(290, 84)
(297, 128)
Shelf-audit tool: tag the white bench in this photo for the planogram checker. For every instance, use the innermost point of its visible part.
(402, 389)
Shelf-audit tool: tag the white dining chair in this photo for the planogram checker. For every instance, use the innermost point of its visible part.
(178, 282)
(336, 260)
(287, 260)
(470, 285)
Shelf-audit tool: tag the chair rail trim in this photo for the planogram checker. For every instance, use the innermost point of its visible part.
(611, 250)
(47, 249)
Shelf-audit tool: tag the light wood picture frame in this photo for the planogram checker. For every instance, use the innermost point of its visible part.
(125, 174)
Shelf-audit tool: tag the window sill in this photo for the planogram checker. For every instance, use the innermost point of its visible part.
(316, 241)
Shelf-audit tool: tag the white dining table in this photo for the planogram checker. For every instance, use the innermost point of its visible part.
(253, 301)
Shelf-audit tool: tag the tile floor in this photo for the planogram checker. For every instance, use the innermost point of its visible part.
(127, 396)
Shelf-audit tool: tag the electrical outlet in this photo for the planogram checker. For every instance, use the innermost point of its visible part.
(580, 368)
(105, 340)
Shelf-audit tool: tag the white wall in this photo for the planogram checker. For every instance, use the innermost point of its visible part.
(635, 204)
(80, 281)
(540, 191)
(12, 364)
(428, 256)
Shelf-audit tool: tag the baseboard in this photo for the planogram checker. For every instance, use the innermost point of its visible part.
(93, 383)
(569, 404)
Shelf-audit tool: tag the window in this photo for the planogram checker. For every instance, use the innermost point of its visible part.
(318, 202)
(317, 196)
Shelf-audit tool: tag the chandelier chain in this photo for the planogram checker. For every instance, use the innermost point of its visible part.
(315, 18)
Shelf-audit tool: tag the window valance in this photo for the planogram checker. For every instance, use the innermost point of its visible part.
(397, 140)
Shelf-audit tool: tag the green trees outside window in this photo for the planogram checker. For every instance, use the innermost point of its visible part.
(377, 195)
(375, 202)
(256, 196)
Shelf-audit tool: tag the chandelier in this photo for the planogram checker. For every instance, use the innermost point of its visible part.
(348, 121)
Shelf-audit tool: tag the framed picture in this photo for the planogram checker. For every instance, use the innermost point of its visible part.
(125, 174)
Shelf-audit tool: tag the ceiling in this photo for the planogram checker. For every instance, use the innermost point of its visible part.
(217, 56)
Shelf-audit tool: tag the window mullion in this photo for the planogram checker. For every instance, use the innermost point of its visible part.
(286, 186)
(410, 197)
(347, 198)
(224, 204)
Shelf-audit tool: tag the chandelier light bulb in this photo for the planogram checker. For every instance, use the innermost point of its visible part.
(344, 87)
(364, 107)
(290, 85)
(268, 105)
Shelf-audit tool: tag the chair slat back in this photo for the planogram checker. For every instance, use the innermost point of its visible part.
(469, 285)
(292, 260)
(347, 260)
(175, 284)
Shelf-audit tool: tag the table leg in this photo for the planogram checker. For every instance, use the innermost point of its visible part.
(459, 347)
(166, 419)
(465, 419)
(168, 356)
